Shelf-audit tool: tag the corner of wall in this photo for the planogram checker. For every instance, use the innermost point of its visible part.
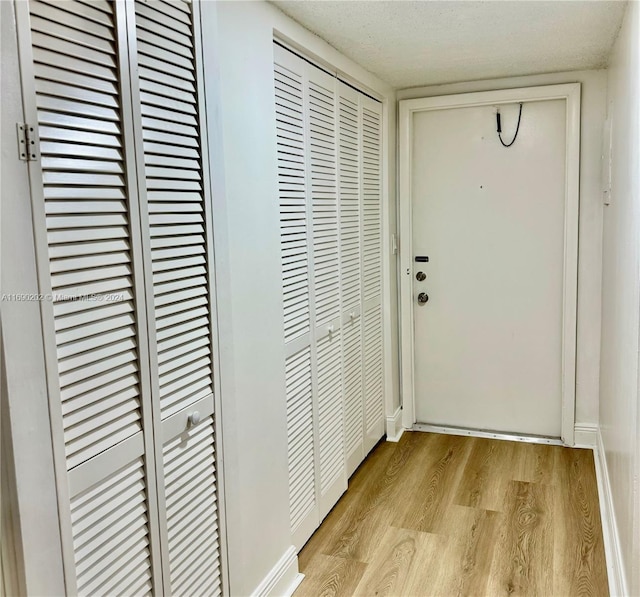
(619, 445)
(394, 427)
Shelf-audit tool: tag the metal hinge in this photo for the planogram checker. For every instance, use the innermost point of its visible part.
(27, 142)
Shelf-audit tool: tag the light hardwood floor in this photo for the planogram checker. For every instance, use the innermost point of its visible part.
(447, 515)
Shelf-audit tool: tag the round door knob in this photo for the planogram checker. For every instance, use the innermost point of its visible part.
(423, 297)
(193, 418)
(421, 276)
(330, 329)
(352, 314)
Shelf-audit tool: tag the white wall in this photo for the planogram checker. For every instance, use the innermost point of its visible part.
(619, 410)
(246, 227)
(590, 222)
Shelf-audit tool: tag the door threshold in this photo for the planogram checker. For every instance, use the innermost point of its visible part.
(513, 437)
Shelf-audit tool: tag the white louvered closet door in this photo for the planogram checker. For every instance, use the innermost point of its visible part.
(172, 180)
(113, 217)
(295, 231)
(322, 181)
(306, 128)
(329, 184)
(371, 194)
(350, 167)
(85, 195)
(361, 271)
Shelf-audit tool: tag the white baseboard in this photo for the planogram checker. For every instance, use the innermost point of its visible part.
(294, 585)
(585, 435)
(283, 579)
(612, 549)
(394, 426)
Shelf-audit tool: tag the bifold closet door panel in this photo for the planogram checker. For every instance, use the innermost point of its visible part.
(322, 180)
(371, 177)
(295, 238)
(173, 175)
(85, 206)
(349, 182)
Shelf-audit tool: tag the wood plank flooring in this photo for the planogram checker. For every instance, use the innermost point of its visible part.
(442, 515)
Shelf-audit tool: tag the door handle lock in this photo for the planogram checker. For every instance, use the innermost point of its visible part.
(423, 297)
(421, 276)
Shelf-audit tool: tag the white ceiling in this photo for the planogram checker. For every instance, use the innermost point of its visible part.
(411, 43)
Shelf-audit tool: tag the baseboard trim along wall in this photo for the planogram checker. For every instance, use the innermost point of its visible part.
(394, 426)
(613, 552)
(585, 435)
(283, 579)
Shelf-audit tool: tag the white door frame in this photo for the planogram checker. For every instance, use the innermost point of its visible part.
(571, 94)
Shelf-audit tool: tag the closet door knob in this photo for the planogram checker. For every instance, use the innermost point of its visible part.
(193, 418)
(330, 329)
(352, 314)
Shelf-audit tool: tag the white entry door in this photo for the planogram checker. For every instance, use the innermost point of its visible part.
(488, 343)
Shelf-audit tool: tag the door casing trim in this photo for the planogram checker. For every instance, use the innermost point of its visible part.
(569, 92)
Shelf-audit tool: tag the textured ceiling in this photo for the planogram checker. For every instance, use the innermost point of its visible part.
(408, 43)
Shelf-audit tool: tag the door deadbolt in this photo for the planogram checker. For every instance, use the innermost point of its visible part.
(423, 297)
(421, 276)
